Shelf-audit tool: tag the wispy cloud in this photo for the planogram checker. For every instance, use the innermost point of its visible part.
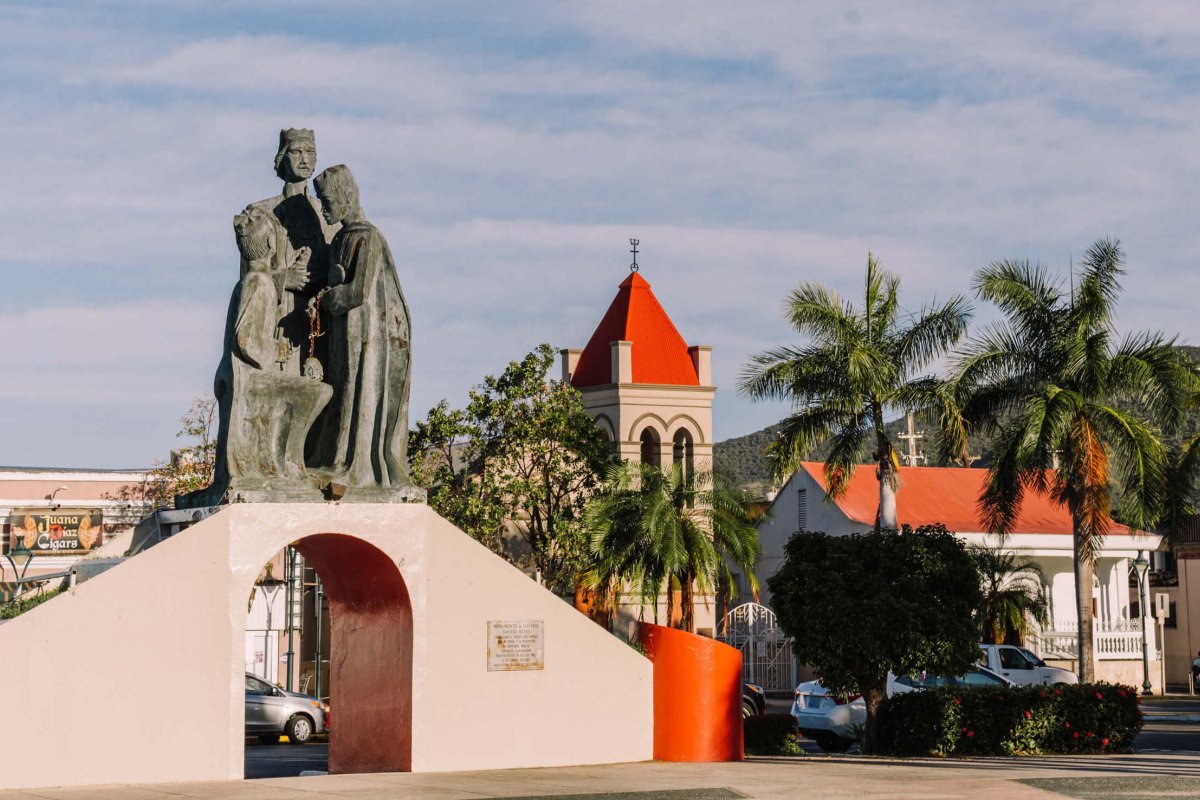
(508, 151)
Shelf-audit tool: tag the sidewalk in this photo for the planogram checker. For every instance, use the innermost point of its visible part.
(1083, 777)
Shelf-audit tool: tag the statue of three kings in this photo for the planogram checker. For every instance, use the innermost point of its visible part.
(312, 387)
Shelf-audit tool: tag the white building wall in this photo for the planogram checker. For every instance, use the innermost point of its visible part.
(783, 519)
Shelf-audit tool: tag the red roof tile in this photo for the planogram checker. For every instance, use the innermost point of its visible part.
(660, 356)
(949, 495)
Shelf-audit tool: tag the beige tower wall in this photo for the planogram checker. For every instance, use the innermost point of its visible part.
(137, 677)
(624, 410)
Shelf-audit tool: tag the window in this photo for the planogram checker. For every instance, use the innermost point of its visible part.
(256, 687)
(977, 678)
(1011, 658)
(802, 509)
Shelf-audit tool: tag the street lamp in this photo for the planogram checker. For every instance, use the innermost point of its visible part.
(19, 558)
(1140, 565)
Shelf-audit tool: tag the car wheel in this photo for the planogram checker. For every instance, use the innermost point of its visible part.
(749, 710)
(831, 742)
(299, 729)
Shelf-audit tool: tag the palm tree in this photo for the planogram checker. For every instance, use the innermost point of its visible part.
(857, 365)
(1183, 479)
(651, 527)
(1044, 382)
(1013, 594)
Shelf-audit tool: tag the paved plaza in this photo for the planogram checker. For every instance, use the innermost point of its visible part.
(1161, 775)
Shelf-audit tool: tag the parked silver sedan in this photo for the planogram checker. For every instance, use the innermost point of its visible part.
(271, 711)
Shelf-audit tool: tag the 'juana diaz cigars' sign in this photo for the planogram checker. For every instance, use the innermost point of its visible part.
(57, 532)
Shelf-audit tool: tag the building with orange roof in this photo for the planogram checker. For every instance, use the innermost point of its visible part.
(649, 391)
(1042, 533)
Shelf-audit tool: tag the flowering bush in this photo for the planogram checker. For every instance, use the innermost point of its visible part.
(1015, 720)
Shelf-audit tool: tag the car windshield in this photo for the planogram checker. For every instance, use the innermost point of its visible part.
(1037, 662)
(254, 686)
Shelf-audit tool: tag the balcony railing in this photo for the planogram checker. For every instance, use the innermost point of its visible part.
(1115, 641)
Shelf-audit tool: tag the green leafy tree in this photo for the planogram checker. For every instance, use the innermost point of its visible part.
(187, 469)
(856, 365)
(1045, 382)
(1013, 594)
(863, 605)
(655, 528)
(521, 458)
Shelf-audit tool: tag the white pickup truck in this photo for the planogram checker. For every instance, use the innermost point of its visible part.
(1022, 667)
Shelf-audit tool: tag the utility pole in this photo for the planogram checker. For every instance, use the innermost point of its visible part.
(911, 436)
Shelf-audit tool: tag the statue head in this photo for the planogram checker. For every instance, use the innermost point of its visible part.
(297, 156)
(338, 193)
(253, 228)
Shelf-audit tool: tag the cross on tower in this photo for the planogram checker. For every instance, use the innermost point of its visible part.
(635, 242)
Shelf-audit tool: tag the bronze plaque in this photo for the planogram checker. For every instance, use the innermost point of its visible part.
(59, 532)
(515, 645)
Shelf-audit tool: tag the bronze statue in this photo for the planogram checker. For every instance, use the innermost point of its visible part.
(298, 265)
(361, 440)
(264, 410)
(337, 429)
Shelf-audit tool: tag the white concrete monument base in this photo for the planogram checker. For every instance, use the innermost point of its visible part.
(138, 676)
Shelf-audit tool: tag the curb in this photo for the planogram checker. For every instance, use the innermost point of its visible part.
(1170, 718)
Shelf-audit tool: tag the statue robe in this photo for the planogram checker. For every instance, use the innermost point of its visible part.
(264, 413)
(299, 224)
(363, 436)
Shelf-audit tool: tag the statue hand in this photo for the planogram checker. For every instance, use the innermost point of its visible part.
(302, 257)
(337, 275)
(335, 300)
(297, 278)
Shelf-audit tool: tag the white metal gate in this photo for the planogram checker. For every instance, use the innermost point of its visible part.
(767, 657)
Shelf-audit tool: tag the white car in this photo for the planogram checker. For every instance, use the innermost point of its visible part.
(1023, 667)
(836, 726)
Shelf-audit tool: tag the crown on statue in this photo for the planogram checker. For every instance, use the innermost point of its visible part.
(291, 135)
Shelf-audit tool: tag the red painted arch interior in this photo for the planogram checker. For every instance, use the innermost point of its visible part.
(371, 654)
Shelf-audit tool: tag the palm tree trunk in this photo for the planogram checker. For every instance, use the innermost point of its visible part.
(1083, 612)
(885, 471)
(873, 697)
(887, 519)
(670, 603)
(687, 602)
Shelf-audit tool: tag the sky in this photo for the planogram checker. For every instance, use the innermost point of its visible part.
(508, 151)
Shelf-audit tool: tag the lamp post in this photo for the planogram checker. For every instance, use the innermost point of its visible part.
(19, 558)
(1140, 565)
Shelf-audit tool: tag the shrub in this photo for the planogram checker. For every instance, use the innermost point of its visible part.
(1015, 720)
(19, 606)
(771, 735)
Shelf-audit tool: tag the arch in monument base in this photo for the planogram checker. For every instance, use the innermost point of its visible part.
(136, 677)
(371, 621)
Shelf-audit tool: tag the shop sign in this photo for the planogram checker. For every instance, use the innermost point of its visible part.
(59, 532)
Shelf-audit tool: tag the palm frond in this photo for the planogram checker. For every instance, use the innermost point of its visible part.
(818, 312)
(1148, 368)
(1099, 285)
(1141, 461)
(793, 373)
(1024, 292)
(934, 332)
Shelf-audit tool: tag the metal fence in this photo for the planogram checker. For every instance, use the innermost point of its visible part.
(767, 656)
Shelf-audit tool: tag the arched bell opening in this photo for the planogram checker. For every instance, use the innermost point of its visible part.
(650, 447)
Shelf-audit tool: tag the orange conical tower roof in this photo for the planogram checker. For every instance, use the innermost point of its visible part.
(659, 353)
